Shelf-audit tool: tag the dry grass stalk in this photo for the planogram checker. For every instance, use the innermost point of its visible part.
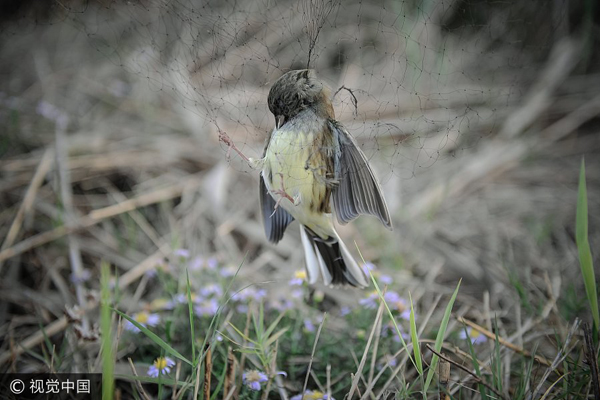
(60, 324)
(138, 384)
(498, 156)
(358, 373)
(229, 374)
(473, 376)
(197, 381)
(177, 374)
(565, 55)
(312, 355)
(207, 371)
(328, 391)
(66, 197)
(38, 177)
(99, 215)
(504, 342)
(444, 377)
(560, 356)
(271, 370)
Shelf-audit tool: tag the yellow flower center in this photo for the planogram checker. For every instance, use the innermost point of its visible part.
(474, 333)
(300, 274)
(159, 303)
(160, 363)
(252, 376)
(314, 395)
(141, 317)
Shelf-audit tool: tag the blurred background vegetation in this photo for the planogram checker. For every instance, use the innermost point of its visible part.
(475, 115)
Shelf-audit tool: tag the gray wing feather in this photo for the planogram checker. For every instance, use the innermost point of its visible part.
(275, 220)
(357, 191)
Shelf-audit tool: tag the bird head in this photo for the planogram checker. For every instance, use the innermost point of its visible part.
(296, 91)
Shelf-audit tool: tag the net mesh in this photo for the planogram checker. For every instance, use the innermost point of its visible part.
(426, 80)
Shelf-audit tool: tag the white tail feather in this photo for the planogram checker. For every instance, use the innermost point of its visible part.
(310, 253)
(324, 270)
(315, 264)
(353, 269)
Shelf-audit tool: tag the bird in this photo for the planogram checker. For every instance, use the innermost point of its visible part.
(313, 169)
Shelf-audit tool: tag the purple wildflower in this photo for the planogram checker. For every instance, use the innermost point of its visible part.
(51, 112)
(196, 263)
(345, 310)
(312, 395)
(366, 267)
(183, 253)
(84, 276)
(212, 263)
(226, 272)
(253, 379)
(211, 289)
(206, 307)
(474, 335)
(309, 326)
(299, 278)
(386, 279)
(161, 366)
(144, 319)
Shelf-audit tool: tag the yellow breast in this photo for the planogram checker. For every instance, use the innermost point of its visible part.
(292, 164)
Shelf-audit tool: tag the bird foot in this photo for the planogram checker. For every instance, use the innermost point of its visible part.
(284, 195)
(224, 137)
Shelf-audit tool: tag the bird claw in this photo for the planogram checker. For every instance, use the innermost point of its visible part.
(224, 137)
(284, 195)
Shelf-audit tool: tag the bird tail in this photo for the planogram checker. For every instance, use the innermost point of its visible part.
(331, 259)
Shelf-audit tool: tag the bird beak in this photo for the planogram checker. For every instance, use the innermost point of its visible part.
(279, 120)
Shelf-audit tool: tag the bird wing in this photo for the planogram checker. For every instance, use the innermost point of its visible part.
(357, 191)
(276, 219)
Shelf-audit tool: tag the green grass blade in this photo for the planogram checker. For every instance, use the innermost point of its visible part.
(211, 330)
(271, 339)
(414, 336)
(219, 383)
(35, 355)
(482, 389)
(152, 336)
(439, 340)
(108, 364)
(274, 324)
(47, 342)
(258, 322)
(583, 246)
(390, 314)
(191, 315)
(245, 337)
